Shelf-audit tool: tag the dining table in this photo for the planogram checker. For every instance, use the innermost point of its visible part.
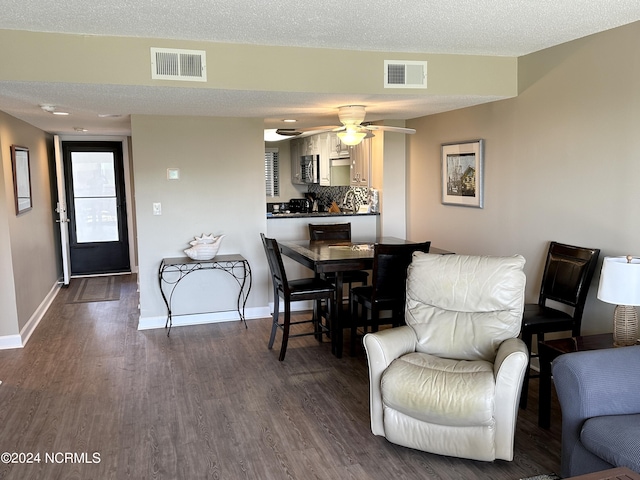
(324, 256)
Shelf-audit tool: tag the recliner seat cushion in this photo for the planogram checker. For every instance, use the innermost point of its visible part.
(614, 438)
(464, 306)
(440, 390)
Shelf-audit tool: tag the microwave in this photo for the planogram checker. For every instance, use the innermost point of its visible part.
(310, 168)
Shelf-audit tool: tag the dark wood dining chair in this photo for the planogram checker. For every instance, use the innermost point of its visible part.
(387, 290)
(330, 231)
(567, 275)
(337, 232)
(315, 289)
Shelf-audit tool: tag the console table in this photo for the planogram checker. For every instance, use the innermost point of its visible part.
(173, 270)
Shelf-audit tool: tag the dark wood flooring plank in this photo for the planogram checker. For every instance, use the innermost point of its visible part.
(211, 401)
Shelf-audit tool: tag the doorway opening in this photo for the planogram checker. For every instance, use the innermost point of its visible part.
(96, 207)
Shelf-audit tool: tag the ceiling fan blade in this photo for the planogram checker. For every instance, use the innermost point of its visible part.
(388, 128)
(324, 128)
(287, 132)
(292, 132)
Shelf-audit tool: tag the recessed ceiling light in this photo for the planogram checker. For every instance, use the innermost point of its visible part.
(80, 129)
(52, 109)
(290, 120)
(109, 115)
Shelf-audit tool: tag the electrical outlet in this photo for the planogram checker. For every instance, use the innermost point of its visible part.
(157, 208)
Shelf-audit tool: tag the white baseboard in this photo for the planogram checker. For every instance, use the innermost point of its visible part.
(10, 341)
(147, 323)
(19, 341)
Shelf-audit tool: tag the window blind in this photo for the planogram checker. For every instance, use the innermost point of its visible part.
(271, 172)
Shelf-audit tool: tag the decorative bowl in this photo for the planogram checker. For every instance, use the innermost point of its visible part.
(204, 250)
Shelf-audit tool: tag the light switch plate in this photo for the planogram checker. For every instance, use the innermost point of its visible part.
(157, 208)
(173, 174)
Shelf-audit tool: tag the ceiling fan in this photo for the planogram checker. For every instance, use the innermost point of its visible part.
(353, 130)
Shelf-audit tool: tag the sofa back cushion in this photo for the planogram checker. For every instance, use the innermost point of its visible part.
(463, 306)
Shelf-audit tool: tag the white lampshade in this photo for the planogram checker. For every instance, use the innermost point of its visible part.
(620, 281)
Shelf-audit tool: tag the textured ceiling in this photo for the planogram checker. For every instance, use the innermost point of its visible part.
(482, 27)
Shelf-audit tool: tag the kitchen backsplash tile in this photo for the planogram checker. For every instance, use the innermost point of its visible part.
(326, 195)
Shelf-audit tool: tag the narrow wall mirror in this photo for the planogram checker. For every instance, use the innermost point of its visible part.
(21, 178)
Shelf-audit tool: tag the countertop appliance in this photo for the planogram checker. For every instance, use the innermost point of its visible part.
(310, 168)
(299, 205)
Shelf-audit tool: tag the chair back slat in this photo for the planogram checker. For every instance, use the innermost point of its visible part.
(390, 263)
(276, 265)
(567, 275)
(330, 231)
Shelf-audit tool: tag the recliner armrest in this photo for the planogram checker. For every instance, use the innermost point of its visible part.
(509, 368)
(383, 348)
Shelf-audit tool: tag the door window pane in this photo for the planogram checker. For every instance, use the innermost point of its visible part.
(96, 220)
(94, 193)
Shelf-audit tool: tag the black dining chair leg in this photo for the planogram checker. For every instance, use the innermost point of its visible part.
(285, 330)
(317, 319)
(375, 320)
(527, 338)
(398, 317)
(330, 320)
(276, 314)
(355, 320)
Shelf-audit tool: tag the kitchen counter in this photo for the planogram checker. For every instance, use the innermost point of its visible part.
(319, 214)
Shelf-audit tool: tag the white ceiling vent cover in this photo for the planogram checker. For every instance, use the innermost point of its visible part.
(175, 64)
(405, 74)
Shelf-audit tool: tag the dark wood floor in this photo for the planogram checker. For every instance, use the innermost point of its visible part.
(210, 401)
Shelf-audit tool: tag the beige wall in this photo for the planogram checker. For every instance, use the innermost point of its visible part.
(126, 61)
(220, 191)
(27, 242)
(562, 162)
(388, 175)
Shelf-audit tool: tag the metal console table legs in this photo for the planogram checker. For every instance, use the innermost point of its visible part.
(173, 270)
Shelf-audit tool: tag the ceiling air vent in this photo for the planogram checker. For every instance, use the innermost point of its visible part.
(405, 74)
(175, 64)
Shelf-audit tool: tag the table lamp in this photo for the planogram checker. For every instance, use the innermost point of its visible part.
(620, 285)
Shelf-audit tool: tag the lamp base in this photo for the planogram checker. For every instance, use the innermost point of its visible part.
(625, 326)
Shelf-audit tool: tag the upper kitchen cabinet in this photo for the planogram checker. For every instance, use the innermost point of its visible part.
(361, 164)
(310, 145)
(337, 149)
(339, 164)
(325, 160)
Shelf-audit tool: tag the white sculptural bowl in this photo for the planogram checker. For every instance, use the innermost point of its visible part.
(204, 248)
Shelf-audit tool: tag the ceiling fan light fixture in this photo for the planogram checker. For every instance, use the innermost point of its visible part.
(351, 137)
(351, 114)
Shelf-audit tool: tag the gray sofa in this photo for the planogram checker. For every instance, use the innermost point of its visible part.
(599, 393)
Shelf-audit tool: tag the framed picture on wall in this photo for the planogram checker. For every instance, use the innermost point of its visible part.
(463, 173)
(21, 178)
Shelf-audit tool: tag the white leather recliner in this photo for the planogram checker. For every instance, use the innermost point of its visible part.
(449, 381)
